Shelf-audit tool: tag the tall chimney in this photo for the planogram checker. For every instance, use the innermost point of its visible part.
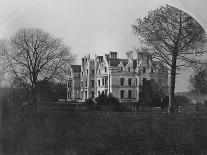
(113, 55)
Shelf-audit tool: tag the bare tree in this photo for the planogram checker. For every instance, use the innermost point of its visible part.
(34, 55)
(172, 37)
(4, 67)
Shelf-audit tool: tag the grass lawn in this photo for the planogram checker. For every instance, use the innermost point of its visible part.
(107, 133)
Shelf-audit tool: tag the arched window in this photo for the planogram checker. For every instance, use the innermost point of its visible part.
(121, 68)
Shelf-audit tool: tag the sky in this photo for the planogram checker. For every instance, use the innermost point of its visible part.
(89, 26)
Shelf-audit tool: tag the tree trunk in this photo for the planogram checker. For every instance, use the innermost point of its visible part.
(34, 93)
(34, 96)
(172, 85)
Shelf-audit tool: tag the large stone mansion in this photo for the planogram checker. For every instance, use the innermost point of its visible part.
(121, 77)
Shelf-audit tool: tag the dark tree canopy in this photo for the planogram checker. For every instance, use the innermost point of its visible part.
(198, 83)
(172, 36)
(51, 91)
(151, 93)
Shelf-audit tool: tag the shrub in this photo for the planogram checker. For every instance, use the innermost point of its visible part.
(111, 100)
(151, 93)
(205, 103)
(106, 100)
(182, 101)
(90, 104)
(101, 99)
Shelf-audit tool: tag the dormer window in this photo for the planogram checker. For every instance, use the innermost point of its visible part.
(121, 68)
(144, 70)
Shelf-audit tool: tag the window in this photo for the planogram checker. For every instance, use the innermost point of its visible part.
(92, 94)
(86, 94)
(129, 94)
(106, 81)
(69, 94)
(122, 94)
(129, 82)
(86, 83)
(129, 69)
(152, 70)
(69, 84)
(81, 83)
(144, 80)
(87, 71)
(92, 71)
(92, 83)
(99, 82)
(121, 68)
(144, 70)
(102, 82)
(121, 81)
(105, 68)
(99, 71)
(82, 73)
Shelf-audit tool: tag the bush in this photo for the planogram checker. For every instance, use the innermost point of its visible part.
(150, 93)
(108, 101)
(182, 101)
(205, 103)
(112, 101)
(102, 99)
(90, 104)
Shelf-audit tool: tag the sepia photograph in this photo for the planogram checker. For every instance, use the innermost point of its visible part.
(103, 77)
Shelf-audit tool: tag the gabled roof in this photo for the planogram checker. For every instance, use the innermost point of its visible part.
(116, 62)
(76, 68)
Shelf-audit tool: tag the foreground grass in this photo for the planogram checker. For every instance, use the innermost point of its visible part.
(108, 133)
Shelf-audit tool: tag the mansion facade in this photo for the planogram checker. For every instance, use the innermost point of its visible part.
(108, 74)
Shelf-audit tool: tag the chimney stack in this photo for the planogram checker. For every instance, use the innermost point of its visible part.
(113, 55)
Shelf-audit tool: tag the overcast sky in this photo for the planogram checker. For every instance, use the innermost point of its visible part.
(87, 26)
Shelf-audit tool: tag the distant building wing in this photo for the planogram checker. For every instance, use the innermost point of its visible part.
(76, 68)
